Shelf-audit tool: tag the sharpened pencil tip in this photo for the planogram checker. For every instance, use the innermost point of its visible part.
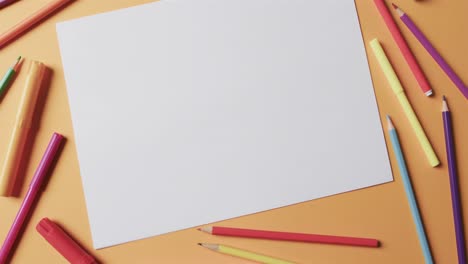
(398, 10)
(445, 107)
(210, 246)
(16, 64)
(200, 244)
(390, 123)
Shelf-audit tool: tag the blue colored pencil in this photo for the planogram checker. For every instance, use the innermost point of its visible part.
(409, 192)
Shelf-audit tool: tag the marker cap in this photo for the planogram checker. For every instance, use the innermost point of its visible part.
(63, 243)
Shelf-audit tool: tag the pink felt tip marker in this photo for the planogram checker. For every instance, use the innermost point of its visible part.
(33, 191)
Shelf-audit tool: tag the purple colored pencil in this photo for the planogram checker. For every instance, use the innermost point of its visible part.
(4, 3)
(454, 186)
(33, 192)
(432, 51)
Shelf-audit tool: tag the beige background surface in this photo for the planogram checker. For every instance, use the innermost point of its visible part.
(381, 212)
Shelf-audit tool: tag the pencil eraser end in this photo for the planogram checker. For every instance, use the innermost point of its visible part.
(375, 45)
(378, 244)
(374, 41)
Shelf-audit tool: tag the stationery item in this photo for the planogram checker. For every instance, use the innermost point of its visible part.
(405, 104)
(31, 21)
(403, 46)
(454, 186)
(217, 99)
(240, 253)
(63, 243)
(287, 236)
(409, 191)
(33, 191)
(22, 126)
(432, 51)
(10, 74)
(4, 3)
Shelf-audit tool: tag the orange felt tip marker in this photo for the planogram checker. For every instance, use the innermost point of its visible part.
(22, 126)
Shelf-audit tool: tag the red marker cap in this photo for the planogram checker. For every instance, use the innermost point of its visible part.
(63, 243)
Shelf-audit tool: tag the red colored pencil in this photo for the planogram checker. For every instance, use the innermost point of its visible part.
(287, 236)
(405, 50)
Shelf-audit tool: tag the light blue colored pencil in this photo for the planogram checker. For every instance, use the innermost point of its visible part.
(409, 192)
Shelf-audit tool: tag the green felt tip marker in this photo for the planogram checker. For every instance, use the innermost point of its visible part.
(6, 80)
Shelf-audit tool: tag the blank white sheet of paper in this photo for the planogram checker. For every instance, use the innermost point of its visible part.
(188, 112)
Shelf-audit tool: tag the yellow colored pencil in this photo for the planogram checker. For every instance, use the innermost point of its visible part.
(240, 253)
(397, 88)
(23, 123)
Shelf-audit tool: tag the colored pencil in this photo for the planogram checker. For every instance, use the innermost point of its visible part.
(454, 186)
(31, 21)
(5, 3)
(34, 190)
(409, 192)
(287, 236)
(24, 119)
(9, 76)
(240, 253)
(395, 84)
(432, 51)
(403, 46)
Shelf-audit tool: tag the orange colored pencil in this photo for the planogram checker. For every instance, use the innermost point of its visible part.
(31, 21)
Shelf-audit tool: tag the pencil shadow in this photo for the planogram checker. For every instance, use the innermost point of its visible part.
(3, 95)
(26, 155)
(46, 180)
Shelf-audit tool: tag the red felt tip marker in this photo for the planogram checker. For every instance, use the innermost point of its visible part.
(63, 243)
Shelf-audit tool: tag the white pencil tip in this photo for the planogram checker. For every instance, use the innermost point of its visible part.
(390, 123)
(445, 107)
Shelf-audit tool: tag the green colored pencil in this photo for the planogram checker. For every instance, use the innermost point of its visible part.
(8, 77)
